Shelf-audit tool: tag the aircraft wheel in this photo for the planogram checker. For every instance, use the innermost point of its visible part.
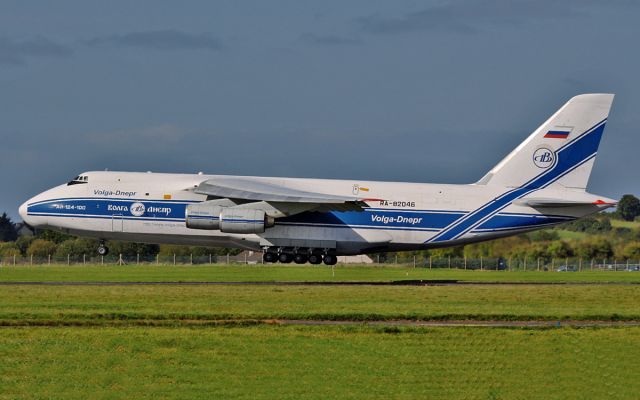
(103, 250)
(315, 259)
(300, 258)
(330, 259)
(269, 257)
(285, 258)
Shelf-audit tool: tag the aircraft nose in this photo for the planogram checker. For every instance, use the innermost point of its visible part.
(23, 212)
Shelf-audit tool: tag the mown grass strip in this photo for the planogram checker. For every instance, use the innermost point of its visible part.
(319, 362)
(266, 273)
(360, 303)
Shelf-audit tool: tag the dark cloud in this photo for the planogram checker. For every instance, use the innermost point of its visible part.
(329, 40)
(471, 16)
(16, 52)
(161, 40)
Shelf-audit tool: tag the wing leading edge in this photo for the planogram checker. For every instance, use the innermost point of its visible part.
(289, 200)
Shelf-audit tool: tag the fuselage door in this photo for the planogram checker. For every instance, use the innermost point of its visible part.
(116, 223)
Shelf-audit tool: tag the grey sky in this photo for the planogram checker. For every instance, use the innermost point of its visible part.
(392, 90)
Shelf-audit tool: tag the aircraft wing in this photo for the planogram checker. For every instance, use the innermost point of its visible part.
(278, 196)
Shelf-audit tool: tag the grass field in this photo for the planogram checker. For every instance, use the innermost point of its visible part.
(570, 235)
(211, 341)
(618, 223)
(249, 273)
(318, 363)
(198, 304)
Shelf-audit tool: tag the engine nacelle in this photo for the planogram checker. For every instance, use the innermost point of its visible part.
(203, 216)
(244, 220)
(227, 219)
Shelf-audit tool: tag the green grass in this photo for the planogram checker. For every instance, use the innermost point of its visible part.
(189, 305)
(267, 362)
(618, 223)
(152, 273)
(196, 341)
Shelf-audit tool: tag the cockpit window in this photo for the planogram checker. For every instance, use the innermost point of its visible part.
(78, 180)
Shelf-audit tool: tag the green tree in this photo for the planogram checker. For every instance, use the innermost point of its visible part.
(52, 236)
(589, 225)
(628, 207)
(8, 232)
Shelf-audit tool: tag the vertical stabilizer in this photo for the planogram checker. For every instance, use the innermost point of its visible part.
(561, 152)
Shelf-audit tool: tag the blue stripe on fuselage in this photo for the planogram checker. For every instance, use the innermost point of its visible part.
(374, 218)
(568, 158)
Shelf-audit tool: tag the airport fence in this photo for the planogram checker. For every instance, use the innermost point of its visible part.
(461, 263)
(515, 263)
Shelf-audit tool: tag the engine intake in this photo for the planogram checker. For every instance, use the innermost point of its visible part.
(227, 219)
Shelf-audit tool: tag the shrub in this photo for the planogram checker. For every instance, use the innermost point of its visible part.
(76, 247)
(9, 249)
(594, 248)
(589, 225)
(559, 248)
(23, 243)
(631, 251)
(41, 248)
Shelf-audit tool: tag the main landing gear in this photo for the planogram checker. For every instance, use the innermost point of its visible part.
(298, 256)
(102, 249)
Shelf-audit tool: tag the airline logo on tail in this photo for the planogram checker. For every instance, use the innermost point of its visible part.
(543, 158)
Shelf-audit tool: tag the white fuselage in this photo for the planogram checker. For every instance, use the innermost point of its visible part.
(150, 207)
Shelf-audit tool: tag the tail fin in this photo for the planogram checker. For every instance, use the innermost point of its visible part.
(561, 151)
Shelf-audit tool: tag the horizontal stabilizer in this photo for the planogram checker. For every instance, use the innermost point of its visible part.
(555, 203)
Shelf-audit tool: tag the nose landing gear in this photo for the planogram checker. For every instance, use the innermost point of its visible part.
(102, 249)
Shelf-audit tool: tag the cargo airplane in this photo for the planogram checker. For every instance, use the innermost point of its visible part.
(541, 183)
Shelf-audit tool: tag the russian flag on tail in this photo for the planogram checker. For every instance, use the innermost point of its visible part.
(557, 134)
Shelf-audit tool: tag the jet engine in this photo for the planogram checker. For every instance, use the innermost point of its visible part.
(227, 219)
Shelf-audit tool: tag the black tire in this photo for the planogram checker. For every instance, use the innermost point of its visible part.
(315, 259)
(300, 258)
(269, 257)
(330, 259)
(103, 250)
(285, 258)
